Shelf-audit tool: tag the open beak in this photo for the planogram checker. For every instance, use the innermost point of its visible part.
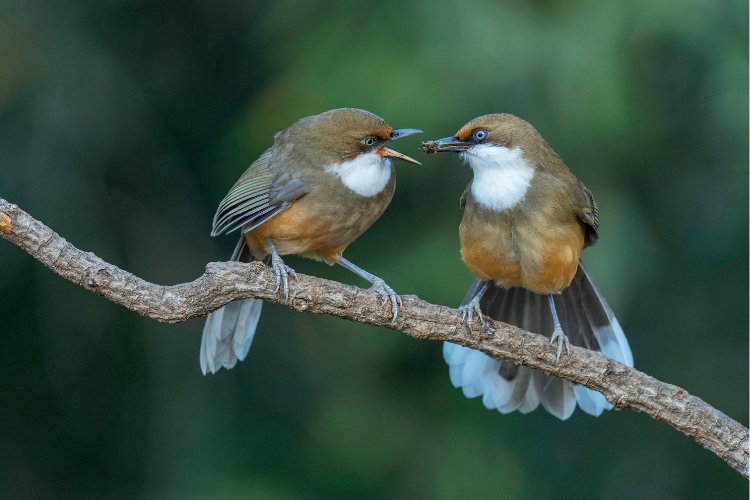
(398, 134)
(449, 144)
(389, 153)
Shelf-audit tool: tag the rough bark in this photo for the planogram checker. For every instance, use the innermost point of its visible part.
(224, 282)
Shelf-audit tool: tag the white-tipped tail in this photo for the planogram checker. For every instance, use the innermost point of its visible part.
(228, 334)
(586, 318)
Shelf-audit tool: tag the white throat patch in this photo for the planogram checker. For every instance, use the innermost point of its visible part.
(501, 176)
(366, 175)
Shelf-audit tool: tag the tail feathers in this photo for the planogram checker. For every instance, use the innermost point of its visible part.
(507, 396)
(585, 317)
(557, 395)
(606, 328)
(530, 400)
(228, 334)
(229, 331)
(592, 402)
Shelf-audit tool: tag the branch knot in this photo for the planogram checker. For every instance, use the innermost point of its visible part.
(302, 301)
(6, 223)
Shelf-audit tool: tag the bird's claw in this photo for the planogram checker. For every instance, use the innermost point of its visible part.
(561, 339)
(469, 310)
(386, 292)
(282, 274)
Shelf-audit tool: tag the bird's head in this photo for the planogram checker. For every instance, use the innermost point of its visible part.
(343, 135)
(494, 139)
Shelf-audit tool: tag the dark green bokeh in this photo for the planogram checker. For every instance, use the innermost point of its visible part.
(124, 123)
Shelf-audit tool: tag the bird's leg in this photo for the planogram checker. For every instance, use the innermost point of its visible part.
(282, 270)
(558, 334)
(473, 308)
(378, 285)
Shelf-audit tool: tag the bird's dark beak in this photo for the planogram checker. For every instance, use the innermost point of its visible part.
(403, 132)
(449, 144)
(398, 134)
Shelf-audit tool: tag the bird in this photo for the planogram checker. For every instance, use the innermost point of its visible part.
(325, 180)
(526, 219)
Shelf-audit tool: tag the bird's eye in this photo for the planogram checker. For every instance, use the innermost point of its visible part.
(480, 134)
(370, 142)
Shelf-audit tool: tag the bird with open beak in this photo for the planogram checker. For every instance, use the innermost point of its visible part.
(526, 220)
(324, 182)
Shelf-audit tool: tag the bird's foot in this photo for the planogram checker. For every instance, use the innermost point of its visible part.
(282, 274)
(469, 310)
(386, 292)
(561, 339)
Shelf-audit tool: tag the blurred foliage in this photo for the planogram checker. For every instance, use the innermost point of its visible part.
(123, 124)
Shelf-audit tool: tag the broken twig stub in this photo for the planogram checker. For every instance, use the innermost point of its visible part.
(6, 223)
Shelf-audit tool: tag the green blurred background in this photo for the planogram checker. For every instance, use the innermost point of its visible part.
(124, 123)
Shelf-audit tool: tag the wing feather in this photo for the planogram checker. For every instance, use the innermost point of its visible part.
(588, 212)
(264, 190)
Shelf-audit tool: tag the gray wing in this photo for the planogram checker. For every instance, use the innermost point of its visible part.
(464, 195)
(264, 190)
(588, 212)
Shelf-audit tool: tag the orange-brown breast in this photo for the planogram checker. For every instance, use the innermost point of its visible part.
(532, 252)
(319, 225)
(550, 260)
(487, 249)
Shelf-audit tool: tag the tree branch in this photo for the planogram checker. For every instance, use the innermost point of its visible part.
(223, 282)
